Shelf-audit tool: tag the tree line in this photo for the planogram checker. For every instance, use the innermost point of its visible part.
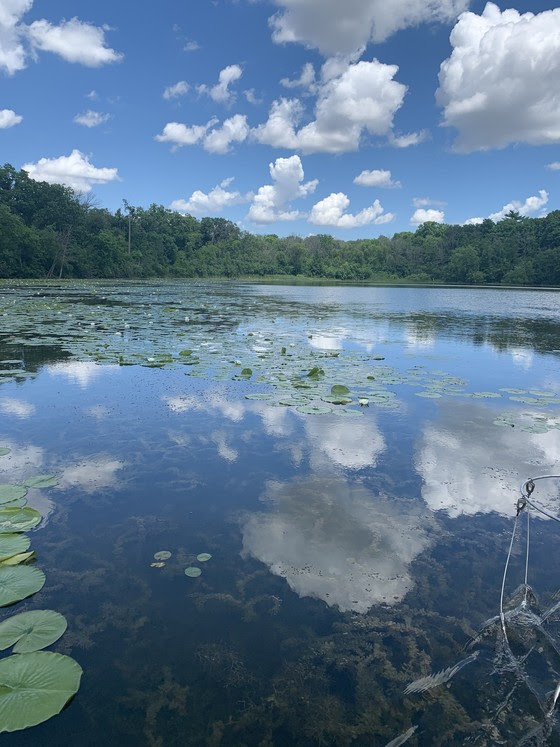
(47, 230)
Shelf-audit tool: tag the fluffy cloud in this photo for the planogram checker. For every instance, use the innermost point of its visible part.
(8, 118)
(345, 28)
(179, 134)
(408, 140)
(233, 130)
(74, 171)
(91, 118)
(363, 97)
(271, 203)
(554, 166)
(176, 90)
(376, 178)
(213, 202)
(531, 205)
(423, 215)
(214, 139)
(12, 51)
(501, 83)
(74, 41)
(220, 92)
(330, 212)
(306, 80)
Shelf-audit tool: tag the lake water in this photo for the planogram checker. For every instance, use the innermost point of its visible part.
(355, 548)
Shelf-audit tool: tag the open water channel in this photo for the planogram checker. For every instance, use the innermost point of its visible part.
(339, 466)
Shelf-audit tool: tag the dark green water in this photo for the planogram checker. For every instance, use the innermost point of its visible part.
(355, 548)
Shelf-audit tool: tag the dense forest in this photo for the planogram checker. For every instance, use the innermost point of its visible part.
(46, 230)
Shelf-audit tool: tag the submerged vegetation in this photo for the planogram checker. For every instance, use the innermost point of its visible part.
(48, 231)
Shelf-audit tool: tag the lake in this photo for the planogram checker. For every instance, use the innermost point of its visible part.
(337, 470)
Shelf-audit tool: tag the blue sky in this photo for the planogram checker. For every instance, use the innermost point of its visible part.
(355, 118)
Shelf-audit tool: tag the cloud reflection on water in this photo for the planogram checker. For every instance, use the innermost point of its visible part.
(470, 466)
(337, 541)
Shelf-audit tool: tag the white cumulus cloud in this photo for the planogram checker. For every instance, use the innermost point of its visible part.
(8, 118)
(233, 130)
(75, 171)
(331, 212)
(408, 140)
(554, 166)
(74, 41)
(177, 89)
(501, 83)
(363, 97)
(12, 52)
(336, 27)
(220, 92)
(212, 202)
(376, 178)
(423, 215)
(180, 134)
(306, 80)
(271, 203)
(420, 202)
(531, 205)
(91, 118)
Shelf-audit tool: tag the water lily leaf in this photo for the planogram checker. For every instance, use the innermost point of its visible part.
(19, 582)
(192, 572)
(262, 396)
(12, 544)
(337, 400)
(162, 555)
(41, 481)
(430, 395)
(34, 687)
(31, 631)
(315, 373)
(248, 372)
(12, 493)
(18, 519)
(313, 409)
(4, 450)
(185, 352)
(339, 390)
(158, 564)
(203, 557)
(22, 557)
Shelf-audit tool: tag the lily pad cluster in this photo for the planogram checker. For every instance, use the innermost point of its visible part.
(34, 685)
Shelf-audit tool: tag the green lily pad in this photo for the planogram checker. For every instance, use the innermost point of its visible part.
(18, 519)
(203, 557)
(338, 390)
(192, 572)
(247, 372)
(162, 555)
(31, 631)
(41, 481)
(18, 582)
(13, 544)
(4, 450)
(337, 400)
(313, 409)
(430, 395)
(34, 687)
(157, 564)
(12, 493)
(21, 557)
(262, 396)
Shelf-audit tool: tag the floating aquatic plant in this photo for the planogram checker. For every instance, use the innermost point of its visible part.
(192, 572)
(203, 557)
(41, 481)
(31, 631)
(19, 582)
(34, 687)
(18, 519)
(162, 555)
(12, 544)
(10, 493)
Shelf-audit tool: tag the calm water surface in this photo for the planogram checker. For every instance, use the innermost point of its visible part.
(355, 548)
